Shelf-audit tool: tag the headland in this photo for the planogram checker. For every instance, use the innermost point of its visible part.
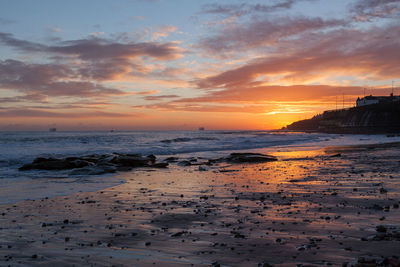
(372, 118)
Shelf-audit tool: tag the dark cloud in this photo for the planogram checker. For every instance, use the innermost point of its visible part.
(106, 69)
(9, 40)
(101, 59)
(366, 10)
(97, 49)
(246, 8)
(39, 113)
(263, 33)
(48, 80)
(227, 9)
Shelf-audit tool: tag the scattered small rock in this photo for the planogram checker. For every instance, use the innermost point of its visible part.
(381, 229)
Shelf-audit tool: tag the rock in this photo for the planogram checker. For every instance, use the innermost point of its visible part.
(250, 158)
(48, 164)
(376, 207)
(381, 229)
(184, 163)
(392, 261)
(239, 235)
(102, 159)
(264, 264)
(26, 167)
(178, 234)
(176, 140)
(94, 164)
(202, 168)
(124, 169)
(152, 158)
(79, 163)
(130, 160)
(171, 159)
(362, 261)
(40, 160)
(159, 165)
(56, 164)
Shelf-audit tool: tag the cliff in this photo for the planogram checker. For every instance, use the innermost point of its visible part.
(371, 119)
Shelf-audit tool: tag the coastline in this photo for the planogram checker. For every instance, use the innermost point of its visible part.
(309, 207)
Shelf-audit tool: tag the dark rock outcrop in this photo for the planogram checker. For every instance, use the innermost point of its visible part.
(95, 164)
(117, 162)
(55, 164)
(130, 160)
(250, 158)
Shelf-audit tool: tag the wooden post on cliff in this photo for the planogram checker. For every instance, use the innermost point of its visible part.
(343, 102)
(392, 87)
(336, 102)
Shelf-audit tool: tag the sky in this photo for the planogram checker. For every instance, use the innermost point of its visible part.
(185, 64)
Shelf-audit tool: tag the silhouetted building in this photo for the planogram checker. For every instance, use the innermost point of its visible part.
(370, 100)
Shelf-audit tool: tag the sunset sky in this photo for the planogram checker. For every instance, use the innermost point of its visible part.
(182, 64)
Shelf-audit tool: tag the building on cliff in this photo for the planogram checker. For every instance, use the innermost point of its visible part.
(370, 100)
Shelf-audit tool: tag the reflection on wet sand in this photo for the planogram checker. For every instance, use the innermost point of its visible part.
(307, 208)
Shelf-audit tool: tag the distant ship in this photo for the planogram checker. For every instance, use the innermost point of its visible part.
(201, 129)
(53, 130)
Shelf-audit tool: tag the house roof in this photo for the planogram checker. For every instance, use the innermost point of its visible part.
(370, 97)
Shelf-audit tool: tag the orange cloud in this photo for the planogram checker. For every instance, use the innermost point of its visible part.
(273, 93)
(350, 53)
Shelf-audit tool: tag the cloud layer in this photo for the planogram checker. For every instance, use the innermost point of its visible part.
(366, 10)
(251, 57)
(340, 52)
(48, 80)
(246, 8)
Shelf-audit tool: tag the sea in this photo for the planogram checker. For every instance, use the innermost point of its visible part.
(18, 148)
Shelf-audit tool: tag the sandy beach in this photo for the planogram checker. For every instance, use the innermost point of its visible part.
(335, 206)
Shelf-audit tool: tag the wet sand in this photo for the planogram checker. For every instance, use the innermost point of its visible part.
(338, 206)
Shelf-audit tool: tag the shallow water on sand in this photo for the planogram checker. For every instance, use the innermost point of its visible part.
(18, 148)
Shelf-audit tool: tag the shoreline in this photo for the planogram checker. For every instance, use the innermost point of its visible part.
(63, 183)
(307, 208)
